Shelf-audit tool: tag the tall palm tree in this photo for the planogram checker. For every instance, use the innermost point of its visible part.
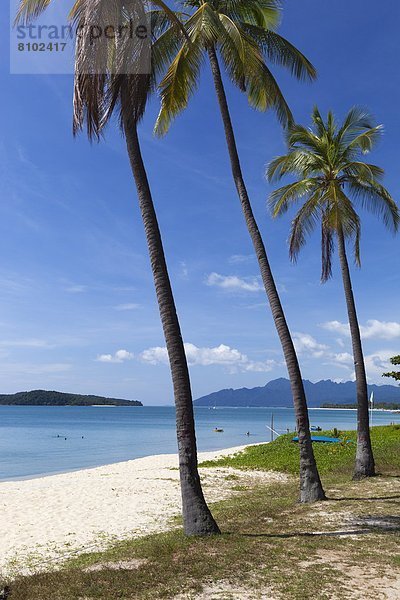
(331, 179)
(242, 31)
(109, 78)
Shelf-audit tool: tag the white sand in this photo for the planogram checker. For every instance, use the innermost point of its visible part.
(46, 519)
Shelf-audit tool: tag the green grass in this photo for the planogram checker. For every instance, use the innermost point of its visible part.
(268, 545)
(283, 454)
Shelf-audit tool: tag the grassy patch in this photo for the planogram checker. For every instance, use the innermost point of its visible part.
(283, 454)
(270, 545)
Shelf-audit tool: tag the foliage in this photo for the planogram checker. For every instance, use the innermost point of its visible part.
(47, 398)
(331, 180)
(283, 455)
(377, 405)
(243, 31)
(114, 74)
(394, 374)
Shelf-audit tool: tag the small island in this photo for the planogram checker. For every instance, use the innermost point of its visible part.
(51, 398)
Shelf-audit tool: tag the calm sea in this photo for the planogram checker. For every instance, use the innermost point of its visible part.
(45, 439)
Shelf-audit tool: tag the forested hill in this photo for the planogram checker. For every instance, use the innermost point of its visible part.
(278, 393)
(47, 398)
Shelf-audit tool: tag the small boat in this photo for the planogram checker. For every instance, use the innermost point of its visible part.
(218, 430)
(322, 438)
(315, 428)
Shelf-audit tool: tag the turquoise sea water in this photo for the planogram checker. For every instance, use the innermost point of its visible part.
(37, 440)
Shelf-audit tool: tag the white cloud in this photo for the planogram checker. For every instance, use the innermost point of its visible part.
(155, 355)
(48, 368)
(261, 366)
(76, 289)
(257, 305)
(337, 327)
(234, 283)
(22, 369)
(344, 358)
(281, 287)
(28, 343)
(221, 355)
(128, 306)
(119, 357)
(306, 344)
(240, 258)
(387, 330)
(378, 363)
(184, 270)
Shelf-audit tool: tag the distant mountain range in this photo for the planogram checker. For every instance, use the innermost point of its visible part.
(46, 398)
(278, 393)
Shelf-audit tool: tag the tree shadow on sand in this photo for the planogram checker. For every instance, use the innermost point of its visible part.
(363, 525)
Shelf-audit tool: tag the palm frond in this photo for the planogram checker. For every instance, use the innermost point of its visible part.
(234, 35)
(164, 50)
(366, 140)
(178, 85)
(263, 13)
(160, 21)
(234, 52)
(331, 127)
(363, 171)
(304, 223)
(344, 219)
(296, 162)
(263, 91)
(376, 199)
(29, 10)
(281, 52)
(341, 213)
(327, 248)
(303, 137)
(281, 199)
(357, 120)
(318, 122)
(110, 72)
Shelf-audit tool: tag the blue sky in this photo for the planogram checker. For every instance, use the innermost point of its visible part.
(77, 306)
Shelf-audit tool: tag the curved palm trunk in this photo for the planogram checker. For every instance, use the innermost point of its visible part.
(365, 465)
(197, 518)
(310, 484)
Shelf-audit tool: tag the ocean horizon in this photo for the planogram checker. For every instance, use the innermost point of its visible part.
(44, 440)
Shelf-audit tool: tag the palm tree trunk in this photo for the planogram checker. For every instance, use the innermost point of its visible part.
(197, 518)
(310, 484)
(365, 465)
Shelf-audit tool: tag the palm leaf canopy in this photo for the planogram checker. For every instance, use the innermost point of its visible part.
(331, 182)
(114, 72)
(244, 33)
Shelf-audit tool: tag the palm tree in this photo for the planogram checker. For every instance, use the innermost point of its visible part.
(330, 179)
(242, 31)
(108, 79)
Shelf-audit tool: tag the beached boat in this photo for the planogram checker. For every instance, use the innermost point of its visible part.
(322, 438)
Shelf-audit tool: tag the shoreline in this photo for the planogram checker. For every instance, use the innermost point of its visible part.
(49, 519)
(28, 477)
(218, 451)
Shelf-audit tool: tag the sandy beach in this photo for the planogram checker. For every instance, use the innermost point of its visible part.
(47, 519)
